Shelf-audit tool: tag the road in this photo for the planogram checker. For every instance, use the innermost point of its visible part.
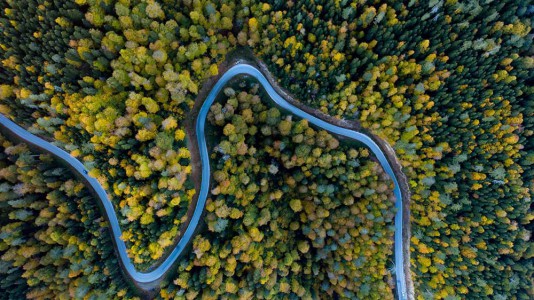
(149, 281)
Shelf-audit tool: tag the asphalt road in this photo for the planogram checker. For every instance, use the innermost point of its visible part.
(150, 280)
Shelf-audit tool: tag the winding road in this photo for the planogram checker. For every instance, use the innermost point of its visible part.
(149, 281)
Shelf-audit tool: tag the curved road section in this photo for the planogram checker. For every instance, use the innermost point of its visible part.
(150, 280)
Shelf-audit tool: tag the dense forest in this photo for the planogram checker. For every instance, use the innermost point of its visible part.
(447, 83)
(53, 241)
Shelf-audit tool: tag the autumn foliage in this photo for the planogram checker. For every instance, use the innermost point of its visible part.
(447, 83)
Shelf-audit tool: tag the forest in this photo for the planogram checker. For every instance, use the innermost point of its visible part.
(293, 212)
